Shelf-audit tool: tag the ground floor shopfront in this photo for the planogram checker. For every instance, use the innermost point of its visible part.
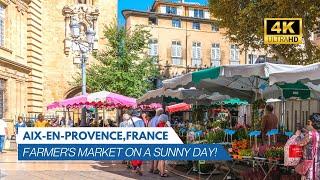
(13, 90)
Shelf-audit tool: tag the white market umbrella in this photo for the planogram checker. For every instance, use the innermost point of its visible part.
(242, 81)
(309, 73)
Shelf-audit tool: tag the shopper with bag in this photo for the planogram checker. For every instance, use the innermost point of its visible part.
(163, 122)
(153, 123)
(3, 133)
(136, 121)
(309, 167)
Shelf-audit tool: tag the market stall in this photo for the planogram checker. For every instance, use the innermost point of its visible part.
(94, 102)
(252, 83)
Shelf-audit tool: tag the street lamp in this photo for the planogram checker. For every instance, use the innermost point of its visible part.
(85, 45)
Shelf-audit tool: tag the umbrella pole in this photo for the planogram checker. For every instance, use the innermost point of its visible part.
(256, 88)
(104, 117)
(282, 109)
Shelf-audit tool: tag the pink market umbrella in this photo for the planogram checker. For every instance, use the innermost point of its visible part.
(53, 105)
(152, 106)
(109, 99)
(74, 101)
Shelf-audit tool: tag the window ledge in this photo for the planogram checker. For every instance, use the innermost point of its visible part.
(5, 49)
(178, 66)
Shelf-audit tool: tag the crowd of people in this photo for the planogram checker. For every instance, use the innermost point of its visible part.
(136, 119)
(308, 136)
(130, 118)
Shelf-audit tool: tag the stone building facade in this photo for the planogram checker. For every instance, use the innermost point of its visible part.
(185, 37)
(60, 65)
(15, 69)
(35, 67)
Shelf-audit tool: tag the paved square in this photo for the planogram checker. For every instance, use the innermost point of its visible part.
(75, 170)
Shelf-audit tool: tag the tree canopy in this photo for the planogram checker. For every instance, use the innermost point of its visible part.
(123, 66)
(243, 20)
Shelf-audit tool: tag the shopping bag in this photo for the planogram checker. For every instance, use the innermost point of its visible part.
(303, 167)
(295, 151)
(136, 163)
(292, 154)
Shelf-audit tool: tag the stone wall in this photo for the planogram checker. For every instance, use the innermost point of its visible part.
(59, 69)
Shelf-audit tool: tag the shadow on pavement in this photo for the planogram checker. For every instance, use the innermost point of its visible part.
(121, 169)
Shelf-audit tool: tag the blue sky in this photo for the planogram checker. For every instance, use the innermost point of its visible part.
(142, 5)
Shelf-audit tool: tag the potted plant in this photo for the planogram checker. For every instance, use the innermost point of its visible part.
(246, 153)
(275, 154)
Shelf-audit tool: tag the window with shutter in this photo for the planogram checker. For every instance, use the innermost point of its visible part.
(163, 9)
(176, 53)
(191, 12)
(198, 13)
(196, 25)
(179, 11)
(207, 15)
(214, 27)
(196, 54)
(234, 55)
(215, 54)
(176, 23)
(171, 10)
(252, 58)
(153, 47)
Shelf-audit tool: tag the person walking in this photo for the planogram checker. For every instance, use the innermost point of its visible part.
(41, 122)
(63, 122)
(19, 124)
(124, 124)
(136, 121)
(147, 119)
(55, 122)
(163, 122)
(125, 119)
(311, 146)
(153, 123)
(3, 133)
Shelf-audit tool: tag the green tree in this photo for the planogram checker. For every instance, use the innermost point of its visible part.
(124, 66)
(243, 20)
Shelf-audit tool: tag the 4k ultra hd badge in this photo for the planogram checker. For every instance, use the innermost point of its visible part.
(283, 31)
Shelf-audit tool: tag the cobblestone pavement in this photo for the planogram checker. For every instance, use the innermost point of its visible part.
(10, 168)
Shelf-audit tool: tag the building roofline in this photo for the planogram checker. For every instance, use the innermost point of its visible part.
(156, 2)
(129, 12)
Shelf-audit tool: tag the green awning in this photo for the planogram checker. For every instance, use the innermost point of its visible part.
(235, 101)
(298, 90)
(232, 102)
(211, 73)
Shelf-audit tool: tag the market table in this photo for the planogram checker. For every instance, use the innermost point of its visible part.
(271, 165)
(256, 162)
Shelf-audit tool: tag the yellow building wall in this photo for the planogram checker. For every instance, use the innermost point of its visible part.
(59, 68)
(14, 72)
(165, 34)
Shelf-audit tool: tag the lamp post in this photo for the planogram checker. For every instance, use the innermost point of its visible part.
(83, 40)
